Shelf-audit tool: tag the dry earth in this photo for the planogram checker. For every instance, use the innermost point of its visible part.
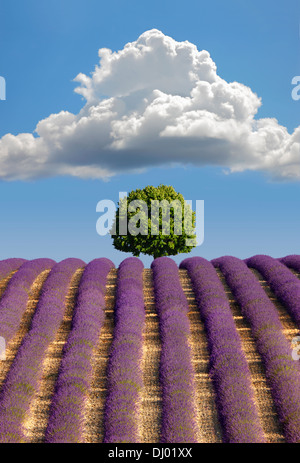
(209, 429)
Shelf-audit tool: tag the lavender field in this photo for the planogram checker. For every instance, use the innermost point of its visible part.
(200, 353)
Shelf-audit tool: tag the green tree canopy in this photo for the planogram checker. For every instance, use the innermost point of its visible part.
(155, 221)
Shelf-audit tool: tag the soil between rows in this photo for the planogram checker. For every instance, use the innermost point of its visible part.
(210, 430)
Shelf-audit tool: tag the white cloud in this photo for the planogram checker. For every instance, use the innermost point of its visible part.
(156, 102)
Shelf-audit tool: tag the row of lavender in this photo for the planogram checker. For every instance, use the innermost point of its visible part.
(229, 368)
(23, 379)
(281, 280)
(66, 420)
(14, 301)
(179, 419)
(282, 372)
(124, 372)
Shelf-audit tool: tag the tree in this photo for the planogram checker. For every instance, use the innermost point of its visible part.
(155, 221)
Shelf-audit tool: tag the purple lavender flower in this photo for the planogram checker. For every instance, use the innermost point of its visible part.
(22, 381)
(176, 370)
(9, 265)
(66, 421)
(228, 366)
(282, 371)
(292, 261)
(282, 281)
(14, 300)
(124, 373)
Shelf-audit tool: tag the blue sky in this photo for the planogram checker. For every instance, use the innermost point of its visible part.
(44, 45)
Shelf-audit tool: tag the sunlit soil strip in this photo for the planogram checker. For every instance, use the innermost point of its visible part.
(228, 366)
(290, 328)
(263, 397)
(13, 346)
(179, 416)
(36, 421)
(124, 374)
(151, 403)
(207, 415)
(94, 431)
(282, 281)
(4, 282)
(297, 274)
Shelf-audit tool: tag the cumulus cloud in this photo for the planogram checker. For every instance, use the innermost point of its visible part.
(157, 102)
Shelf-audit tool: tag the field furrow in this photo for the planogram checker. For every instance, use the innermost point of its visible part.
(124, 373)
(14, 345)
(37, 419)
(289, 327)
(4, 282)
(13, 303)
(176, 372)
(229, 369)
(205, 353)
(94, 430)
(23, 380)
(282, 281)
(263, 397)
(151, 395)
(207, 415)
(281, 370)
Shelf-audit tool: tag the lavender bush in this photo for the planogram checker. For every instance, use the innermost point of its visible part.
(176, 369)
(22, 380)
(124, 373)
(282, 371)
(292, 261)
(228, 366)
(14, 300)
(281, 280)
(9, 265)
(66, 421)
